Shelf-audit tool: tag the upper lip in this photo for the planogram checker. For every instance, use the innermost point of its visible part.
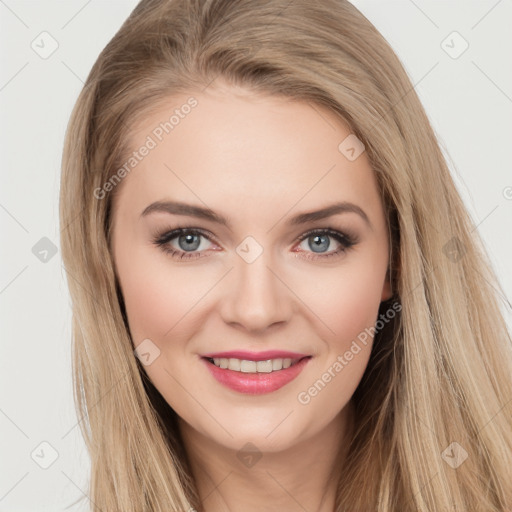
(256, 356)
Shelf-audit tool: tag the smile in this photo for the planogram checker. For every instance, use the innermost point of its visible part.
(255, 377)
(247, 366)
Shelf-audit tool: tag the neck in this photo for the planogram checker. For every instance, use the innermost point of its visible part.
(302, 477)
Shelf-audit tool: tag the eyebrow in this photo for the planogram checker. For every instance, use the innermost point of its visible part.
(178, 208)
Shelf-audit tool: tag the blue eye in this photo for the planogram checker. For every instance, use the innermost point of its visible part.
(189, 241)
(318, 240)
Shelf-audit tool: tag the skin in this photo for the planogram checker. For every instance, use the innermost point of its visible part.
(257, 160)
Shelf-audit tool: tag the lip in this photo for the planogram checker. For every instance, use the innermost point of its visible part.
(256, 356)
(256, 383)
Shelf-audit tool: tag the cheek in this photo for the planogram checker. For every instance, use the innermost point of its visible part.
(348, 307)
(353, 309)
(346, 300)
(159, 298)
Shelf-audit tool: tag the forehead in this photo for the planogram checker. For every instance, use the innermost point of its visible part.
(232, 149)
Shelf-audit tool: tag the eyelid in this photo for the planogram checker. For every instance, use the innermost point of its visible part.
(175, 232)
(349, 238)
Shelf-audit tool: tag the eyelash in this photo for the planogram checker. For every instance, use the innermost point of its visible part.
(162, 240)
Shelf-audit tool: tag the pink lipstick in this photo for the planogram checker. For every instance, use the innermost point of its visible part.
(255, 372)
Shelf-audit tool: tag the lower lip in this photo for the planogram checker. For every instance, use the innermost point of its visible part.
(256, 383)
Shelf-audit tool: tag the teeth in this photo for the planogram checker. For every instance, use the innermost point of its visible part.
(234, 364)
(246, 366)
(264, 366)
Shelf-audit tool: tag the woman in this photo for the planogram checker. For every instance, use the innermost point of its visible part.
(279, 299)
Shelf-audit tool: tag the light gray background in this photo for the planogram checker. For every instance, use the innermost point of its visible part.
(468, 100)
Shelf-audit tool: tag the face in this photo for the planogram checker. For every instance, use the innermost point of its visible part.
(250, 277)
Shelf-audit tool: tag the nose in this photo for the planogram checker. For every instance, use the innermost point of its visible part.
(255, 297)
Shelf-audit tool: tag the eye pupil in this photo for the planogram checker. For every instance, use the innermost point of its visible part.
(189, 238)
(322, 245)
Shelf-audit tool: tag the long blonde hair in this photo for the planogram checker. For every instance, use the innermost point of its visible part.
(439, 372)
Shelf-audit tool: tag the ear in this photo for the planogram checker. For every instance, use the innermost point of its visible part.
(387, 293)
